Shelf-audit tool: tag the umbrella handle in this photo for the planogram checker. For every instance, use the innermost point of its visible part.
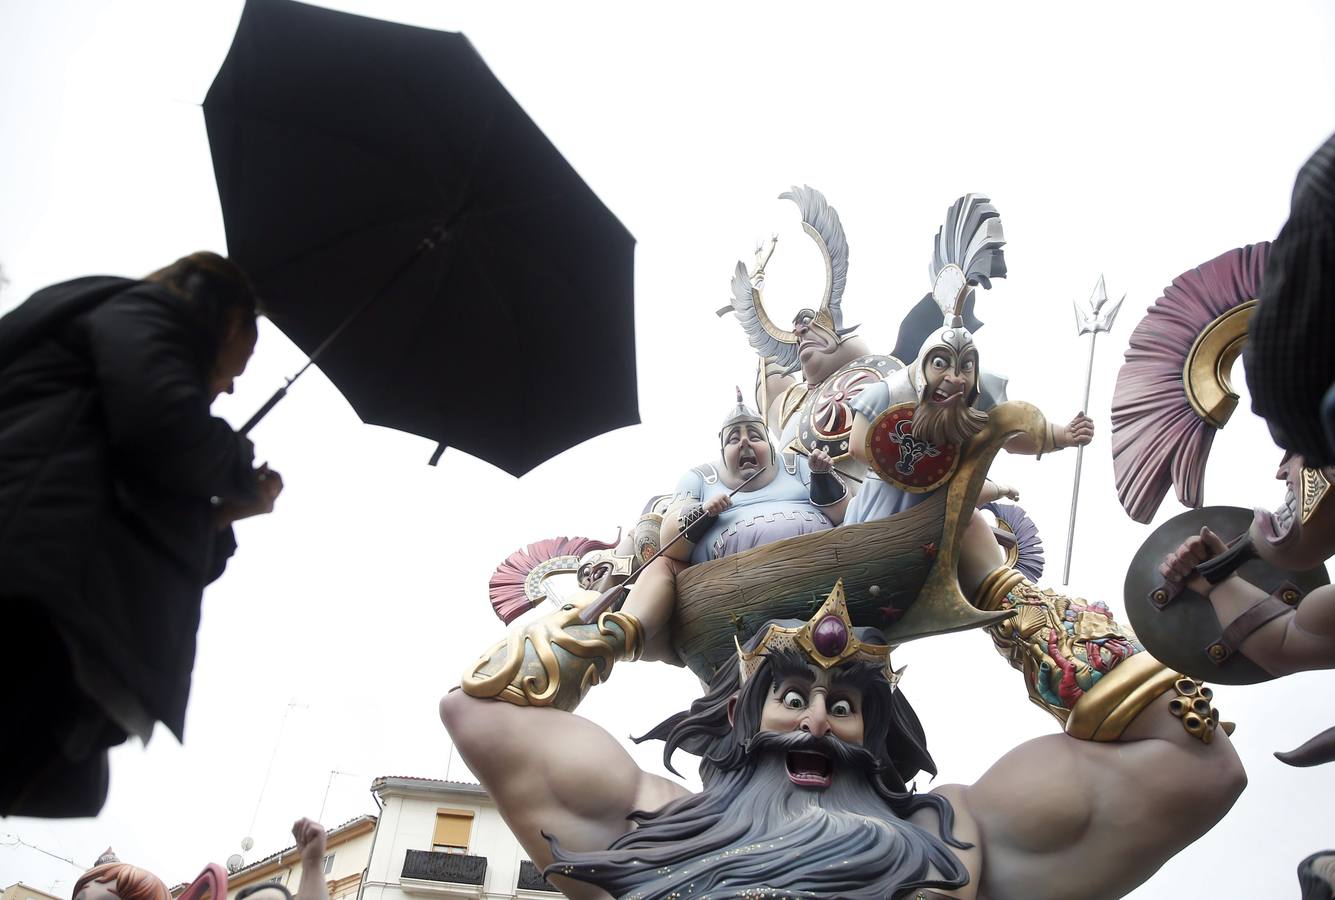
(264, 410)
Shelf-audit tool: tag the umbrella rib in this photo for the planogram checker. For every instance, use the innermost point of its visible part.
(347, 234)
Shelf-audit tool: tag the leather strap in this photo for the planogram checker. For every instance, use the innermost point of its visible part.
(1259, 613)
(1225, 564)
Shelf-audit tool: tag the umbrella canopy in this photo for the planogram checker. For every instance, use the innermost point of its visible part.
(341, 143)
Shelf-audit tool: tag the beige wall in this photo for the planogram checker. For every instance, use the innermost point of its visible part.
(351, 850)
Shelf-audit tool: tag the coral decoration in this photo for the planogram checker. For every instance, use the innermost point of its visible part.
(1157, 437)
(516, 585)
(1027, 541)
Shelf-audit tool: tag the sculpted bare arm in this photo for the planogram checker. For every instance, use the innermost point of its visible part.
(857, 439)
(1065, 819)
(552, 771)
(681, 550)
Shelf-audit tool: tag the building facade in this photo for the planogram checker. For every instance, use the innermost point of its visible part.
(21, 891)
(445, 840)
(433, 840)
(347, 850)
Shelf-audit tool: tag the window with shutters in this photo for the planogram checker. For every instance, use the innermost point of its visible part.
(453, 828)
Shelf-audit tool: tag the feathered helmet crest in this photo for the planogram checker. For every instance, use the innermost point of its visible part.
(968, 253)
(520, 582)
(821, 222)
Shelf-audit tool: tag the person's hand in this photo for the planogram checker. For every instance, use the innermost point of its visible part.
(1010, 493)
(1180, 565)
(309, 836)
(820, 462)
(1079, 431)
(268, 484)
(716, 505)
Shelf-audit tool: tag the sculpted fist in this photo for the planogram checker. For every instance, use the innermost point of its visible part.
(1079, 431)
(820, 462)
(716, 505)
(1010, 493)
(309, 836)
(1182, 562)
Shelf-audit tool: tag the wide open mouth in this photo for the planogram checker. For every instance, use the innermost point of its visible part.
(942, 397)
(809, 769)
(746, 459)
(1278, 526)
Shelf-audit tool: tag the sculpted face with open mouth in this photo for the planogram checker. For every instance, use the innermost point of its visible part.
(814, 704)
(950, 380)
(746, 449)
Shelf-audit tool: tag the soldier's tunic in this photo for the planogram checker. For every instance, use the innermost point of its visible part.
(780, 509)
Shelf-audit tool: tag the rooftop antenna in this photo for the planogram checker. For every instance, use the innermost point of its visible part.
(247, 842)
(327, 786)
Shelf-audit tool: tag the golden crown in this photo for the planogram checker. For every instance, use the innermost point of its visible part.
(827, 639)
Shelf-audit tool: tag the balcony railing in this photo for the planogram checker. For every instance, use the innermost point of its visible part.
(530, 879)
(452, 867)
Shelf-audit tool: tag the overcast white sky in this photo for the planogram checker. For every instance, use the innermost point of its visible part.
(1132, 139)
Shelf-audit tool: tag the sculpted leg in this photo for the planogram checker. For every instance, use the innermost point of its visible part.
(652, 601)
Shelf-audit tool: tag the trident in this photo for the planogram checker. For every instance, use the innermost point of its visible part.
(1090, 318)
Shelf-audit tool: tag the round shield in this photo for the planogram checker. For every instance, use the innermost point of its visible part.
(910, 463)
(826, 420)
(1179, 633)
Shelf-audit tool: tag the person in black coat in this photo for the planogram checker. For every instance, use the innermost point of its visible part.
(118, 489)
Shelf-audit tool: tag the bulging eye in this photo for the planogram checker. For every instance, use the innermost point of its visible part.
(794, 700)
(968, 365)
(938, 363)
(841, 708)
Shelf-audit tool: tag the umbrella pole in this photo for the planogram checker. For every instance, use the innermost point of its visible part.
(427, 244)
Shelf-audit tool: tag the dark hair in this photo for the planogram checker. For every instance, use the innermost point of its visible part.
(214, 287)
(893, 733)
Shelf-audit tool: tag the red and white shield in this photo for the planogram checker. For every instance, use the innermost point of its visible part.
(908, 462)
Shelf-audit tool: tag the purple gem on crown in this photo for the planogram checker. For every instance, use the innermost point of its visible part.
(830, 636)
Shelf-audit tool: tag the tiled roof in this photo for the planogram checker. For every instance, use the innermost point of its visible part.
(432, 785)
(329, 835)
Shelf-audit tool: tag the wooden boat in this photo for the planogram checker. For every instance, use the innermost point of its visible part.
(899, 573)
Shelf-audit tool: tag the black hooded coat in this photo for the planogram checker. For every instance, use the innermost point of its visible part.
(109, 460)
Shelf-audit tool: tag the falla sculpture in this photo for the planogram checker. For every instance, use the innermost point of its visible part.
(841, 519)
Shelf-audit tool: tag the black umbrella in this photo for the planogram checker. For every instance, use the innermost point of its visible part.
(413, 231)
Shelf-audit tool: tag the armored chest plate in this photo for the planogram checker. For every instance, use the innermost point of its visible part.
(826, 420)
